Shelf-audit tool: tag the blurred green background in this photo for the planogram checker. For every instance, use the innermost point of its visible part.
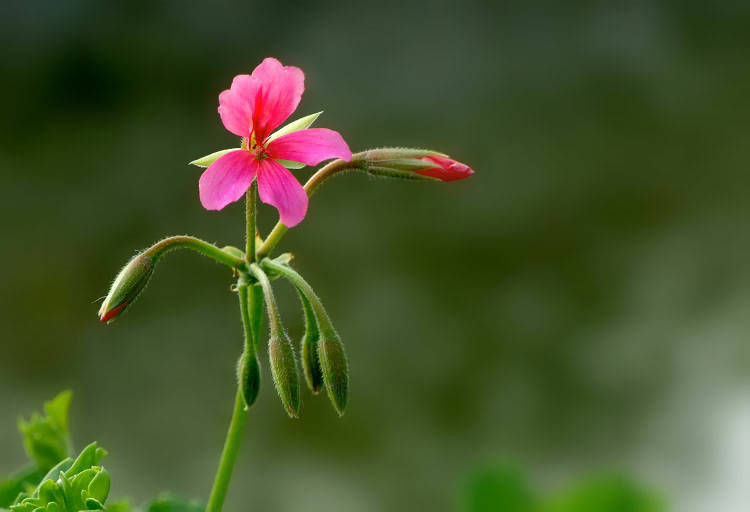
(578, 306)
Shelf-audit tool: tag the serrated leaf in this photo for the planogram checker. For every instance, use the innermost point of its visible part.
(57, 410)
(207, 160)
(45, 438)
(300, 124)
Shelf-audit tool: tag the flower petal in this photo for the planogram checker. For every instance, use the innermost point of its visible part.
(448, 170)
(278, 187)
(310, 146)
(227, 179)
(236, 105)
(279, 93)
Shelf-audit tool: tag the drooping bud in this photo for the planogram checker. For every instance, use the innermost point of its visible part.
(311, 362)
(129, 283)
(335, 370)
(248, 374)
(413, 164)
(310, 357)
(285, 372)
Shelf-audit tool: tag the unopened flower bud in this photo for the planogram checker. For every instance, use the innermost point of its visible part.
(285, 373)
(335, 371)
(311, 361)
(248, 374)
(413, 164)
(129, 283)
(446, 170)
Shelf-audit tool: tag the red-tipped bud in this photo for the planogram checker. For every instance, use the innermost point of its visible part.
(447, 170)
(129, 283)
(412, 164)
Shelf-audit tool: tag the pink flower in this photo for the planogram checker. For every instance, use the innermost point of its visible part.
(252, 108)
(449, 170)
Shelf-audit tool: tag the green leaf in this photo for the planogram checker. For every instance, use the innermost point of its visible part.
(17, 483)
(168, 503)
(295, 126)
(606, 494)
(120, 506)
(499, 488)
(57, 410)
(207, 160)
(46, 438)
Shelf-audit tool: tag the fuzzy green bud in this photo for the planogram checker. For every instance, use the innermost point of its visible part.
(248, 375)
(335, 370)
(129, 283)
(311, 362)
(285, 372)
(309, 347)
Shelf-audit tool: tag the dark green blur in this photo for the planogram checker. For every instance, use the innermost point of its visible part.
(579, 306)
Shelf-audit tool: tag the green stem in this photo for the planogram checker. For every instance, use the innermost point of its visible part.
(315, 181)
(324, 321)
(196, 244)
(228, 455)
(239, 416)
(250, 220)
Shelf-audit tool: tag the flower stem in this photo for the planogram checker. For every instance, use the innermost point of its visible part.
(228, 455)
(196, 244)
(251, 308)
(250, 220)
(315, 181)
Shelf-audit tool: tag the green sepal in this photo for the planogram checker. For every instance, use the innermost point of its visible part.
(408, 164)
(300, 124)
(207, 160)
(234, 251)
(390, 172)
(291, 165)
(380, 154)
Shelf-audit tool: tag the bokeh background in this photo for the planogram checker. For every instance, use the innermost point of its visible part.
(579, 306)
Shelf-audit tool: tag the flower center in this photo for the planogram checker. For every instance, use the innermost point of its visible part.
(258, 150)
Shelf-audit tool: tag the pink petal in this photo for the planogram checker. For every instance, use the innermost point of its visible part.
(310, 146)
(236, 105)
(278, 187)
(227, 179)
(280, 91)
(449, 170)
